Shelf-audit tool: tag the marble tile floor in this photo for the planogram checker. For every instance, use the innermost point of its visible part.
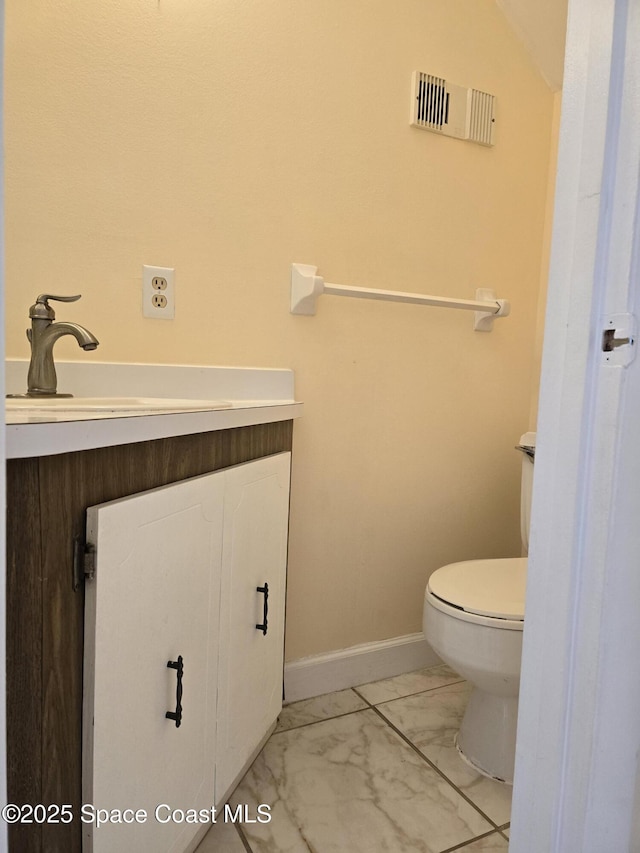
(372, 769)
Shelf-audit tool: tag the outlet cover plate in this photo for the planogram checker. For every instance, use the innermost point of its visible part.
(158, 292)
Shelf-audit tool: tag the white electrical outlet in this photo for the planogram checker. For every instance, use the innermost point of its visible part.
(158, 293)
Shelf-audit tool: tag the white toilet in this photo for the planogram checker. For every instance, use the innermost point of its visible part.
(473, 619)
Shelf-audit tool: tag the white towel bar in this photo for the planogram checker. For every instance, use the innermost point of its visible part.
(306, 287)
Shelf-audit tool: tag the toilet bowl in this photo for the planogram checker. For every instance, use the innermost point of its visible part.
(473, 619)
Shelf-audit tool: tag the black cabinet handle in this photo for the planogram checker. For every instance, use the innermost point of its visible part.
(177, 714)
(265, 590)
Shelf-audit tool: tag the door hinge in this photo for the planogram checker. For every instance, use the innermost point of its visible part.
(84, 562)
(618, 339)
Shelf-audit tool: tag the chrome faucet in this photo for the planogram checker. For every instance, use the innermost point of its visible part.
(42, 380)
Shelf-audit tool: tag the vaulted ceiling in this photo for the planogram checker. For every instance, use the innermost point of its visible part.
(541, 25)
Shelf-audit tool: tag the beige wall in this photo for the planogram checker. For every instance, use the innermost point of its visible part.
(228, 139)
(546, 258)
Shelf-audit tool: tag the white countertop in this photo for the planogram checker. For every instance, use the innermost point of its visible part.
(255, 395)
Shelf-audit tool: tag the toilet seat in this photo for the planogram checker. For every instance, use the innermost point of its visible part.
(489, 592)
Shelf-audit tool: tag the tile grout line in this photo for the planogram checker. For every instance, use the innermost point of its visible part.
(323, 720)
(243, 838)
(472, 841)
(356, 710)
(408, 695)
(429, 762)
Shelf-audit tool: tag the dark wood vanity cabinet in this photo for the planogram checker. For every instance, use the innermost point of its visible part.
(46, 502)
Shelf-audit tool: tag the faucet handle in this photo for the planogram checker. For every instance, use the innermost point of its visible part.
(41, 310)
(44, 296)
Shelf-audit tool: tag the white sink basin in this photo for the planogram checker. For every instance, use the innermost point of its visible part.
(111, 404)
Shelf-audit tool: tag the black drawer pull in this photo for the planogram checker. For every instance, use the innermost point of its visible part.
(264, 589)
(177, 714)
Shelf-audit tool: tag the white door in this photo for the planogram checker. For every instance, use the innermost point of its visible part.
(251, 658)
(154, 599)
(577, 780)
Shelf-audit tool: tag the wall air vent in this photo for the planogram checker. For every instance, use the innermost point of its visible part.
(432, 102)
(481, 118)
(451, 110)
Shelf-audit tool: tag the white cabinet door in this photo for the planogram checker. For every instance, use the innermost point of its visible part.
(155, 596)
(256, 515)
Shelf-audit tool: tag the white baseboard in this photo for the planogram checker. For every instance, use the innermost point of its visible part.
(326, 673)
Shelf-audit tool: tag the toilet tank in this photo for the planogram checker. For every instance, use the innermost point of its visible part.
(527, 445)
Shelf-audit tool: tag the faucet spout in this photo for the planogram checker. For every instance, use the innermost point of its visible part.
(42, 380)
(84, 337)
